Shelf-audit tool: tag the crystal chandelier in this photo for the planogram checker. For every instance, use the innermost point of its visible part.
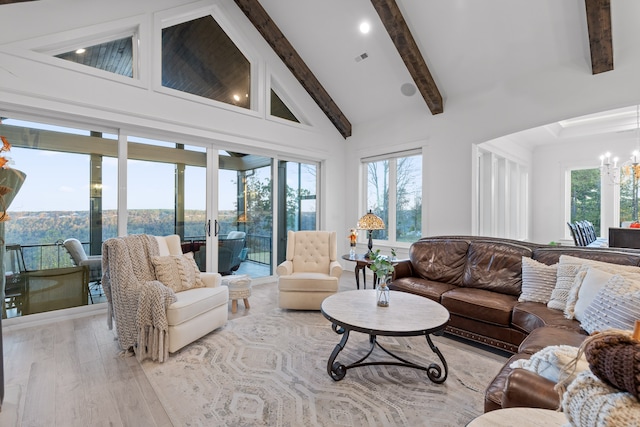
(609, 165)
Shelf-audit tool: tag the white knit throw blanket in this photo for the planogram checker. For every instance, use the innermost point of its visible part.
(136, 300)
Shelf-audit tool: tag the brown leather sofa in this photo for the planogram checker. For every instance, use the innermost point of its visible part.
(479, 279)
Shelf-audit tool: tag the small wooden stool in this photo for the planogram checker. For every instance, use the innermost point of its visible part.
(239, 288)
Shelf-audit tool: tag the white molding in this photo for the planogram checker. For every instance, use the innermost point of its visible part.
(41, 49)
(46, 318)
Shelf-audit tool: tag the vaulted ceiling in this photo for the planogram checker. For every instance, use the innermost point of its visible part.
(428, 54)
(314, 25)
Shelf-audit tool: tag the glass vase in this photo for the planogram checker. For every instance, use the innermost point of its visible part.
(382, 294)
(352, 252)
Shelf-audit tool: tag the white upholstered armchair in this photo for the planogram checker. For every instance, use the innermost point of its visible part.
(158, 298)
(310, 272)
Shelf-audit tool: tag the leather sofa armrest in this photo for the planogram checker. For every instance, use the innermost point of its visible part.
(211, 280)
(402, 269)
(524, 388)
(335, 269)
(285, 268)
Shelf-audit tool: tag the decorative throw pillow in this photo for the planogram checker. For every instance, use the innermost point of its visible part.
(179, 272)
(551, 361)
(616, 305)
(588, 282)
(590, 402)
(538, 280)
(564, 282)
(568, 269)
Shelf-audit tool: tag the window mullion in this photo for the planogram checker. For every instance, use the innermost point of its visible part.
(393, 185)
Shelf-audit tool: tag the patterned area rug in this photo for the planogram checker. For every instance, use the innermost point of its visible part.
(270, 369)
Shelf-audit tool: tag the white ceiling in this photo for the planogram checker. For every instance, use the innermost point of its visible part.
(469, 46)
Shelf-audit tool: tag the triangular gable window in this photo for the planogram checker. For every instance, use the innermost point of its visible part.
(279, 109)
(113, 56)
(199, 58)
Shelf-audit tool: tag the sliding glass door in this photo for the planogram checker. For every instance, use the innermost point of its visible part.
(225, 206)
(245, 214)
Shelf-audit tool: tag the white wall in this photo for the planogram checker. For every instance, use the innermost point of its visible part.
(527, 101)
(551, 163)
(38, 86)
(35, 86)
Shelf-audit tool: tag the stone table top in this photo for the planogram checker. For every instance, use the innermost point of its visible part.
(521, 417)
(407, 314)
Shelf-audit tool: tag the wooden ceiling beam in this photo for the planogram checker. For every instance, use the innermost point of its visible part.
(279, 43)
(402, 38)
(600, 38)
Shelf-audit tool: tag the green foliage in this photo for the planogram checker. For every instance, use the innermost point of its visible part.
(628, 195)
(586, 196)
(381, 264)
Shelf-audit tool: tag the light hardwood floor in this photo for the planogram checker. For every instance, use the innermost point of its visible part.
(70, 373)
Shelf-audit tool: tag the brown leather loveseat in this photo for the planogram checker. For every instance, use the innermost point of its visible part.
(479, 279)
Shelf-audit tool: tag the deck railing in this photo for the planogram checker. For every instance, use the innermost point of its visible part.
(54, 255)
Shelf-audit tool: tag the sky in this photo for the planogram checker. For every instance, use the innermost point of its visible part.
(59, 181)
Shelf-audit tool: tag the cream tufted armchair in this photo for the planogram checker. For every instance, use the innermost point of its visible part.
(310, 272)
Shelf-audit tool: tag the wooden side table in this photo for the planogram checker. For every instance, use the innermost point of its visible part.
(361, 265)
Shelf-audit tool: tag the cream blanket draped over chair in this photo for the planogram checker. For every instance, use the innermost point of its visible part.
(136, 300)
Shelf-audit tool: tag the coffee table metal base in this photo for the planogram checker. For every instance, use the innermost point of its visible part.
(337, 371)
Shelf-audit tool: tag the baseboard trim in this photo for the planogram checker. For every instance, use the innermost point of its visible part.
(46, 318)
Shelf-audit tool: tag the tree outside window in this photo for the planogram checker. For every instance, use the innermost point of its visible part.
(629, 177)
(394, 193)
(586, 196)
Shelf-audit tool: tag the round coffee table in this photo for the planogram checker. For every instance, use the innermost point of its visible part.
(406, 315)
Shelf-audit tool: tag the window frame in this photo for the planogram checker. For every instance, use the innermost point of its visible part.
(184, 14)
(604, 194)
(391, 224)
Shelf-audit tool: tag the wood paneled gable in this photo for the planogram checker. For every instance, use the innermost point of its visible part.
(281, 46)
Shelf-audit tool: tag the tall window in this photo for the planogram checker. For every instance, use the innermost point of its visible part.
(585, 196)
(629, 178)
(70, 190)
(394, 193)
(166, 188)
(301, 196)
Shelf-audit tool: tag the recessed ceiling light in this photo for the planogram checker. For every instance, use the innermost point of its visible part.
(81, 50)
(364, 27)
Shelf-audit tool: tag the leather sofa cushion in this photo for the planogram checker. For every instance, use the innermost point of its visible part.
(439, 260)
(526, 388)
(550, 335)
(551, 255)
(528, 316)
(480, 304)
(423, 287)
(493, 394)
(495, 266)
